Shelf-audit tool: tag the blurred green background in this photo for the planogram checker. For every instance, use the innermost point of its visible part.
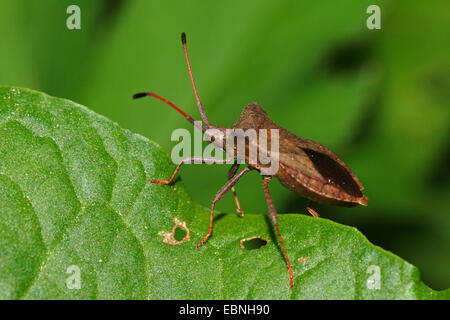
(378, 98)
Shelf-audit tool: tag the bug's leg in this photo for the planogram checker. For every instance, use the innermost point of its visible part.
(311, 210)
(231, 174)
(273, 217)
(188, 160)
(219, 196)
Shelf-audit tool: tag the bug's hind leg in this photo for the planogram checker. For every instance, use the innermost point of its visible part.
(273, 217)
(311, 210)
(231, 174)
(219, 196)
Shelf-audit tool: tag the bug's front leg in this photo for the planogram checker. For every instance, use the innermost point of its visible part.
(219, 196)
(188, 160)
(273, 217)
(234, 168)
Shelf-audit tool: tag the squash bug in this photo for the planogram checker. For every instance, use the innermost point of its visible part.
(305, 167)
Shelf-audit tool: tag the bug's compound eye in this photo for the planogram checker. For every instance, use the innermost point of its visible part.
(215, 136)
(253, 243)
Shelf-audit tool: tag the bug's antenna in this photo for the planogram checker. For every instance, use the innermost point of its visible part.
(199, 104)
(188, 117)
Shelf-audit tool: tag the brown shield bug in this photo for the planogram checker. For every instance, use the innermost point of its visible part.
(304, 166)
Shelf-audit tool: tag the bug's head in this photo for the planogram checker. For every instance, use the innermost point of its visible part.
(216, 135)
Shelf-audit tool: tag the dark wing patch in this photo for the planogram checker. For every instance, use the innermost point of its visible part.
(334, 173)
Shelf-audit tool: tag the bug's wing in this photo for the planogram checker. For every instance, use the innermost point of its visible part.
(317, 168)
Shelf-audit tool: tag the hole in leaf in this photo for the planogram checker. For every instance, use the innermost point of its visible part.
(179, 234)
(253, 243)
(302, 260)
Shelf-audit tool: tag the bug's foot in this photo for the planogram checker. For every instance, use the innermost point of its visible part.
(291, 279)
(160, 181)
(291, 274)
(311, 211)
(203, 241)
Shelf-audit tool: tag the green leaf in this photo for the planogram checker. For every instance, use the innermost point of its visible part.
(74, 193)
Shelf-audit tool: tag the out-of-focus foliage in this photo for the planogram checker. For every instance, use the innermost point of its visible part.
(378, 98)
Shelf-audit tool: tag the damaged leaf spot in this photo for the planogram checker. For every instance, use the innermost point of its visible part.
(302, 260)
(179, 234)
(253, 243)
